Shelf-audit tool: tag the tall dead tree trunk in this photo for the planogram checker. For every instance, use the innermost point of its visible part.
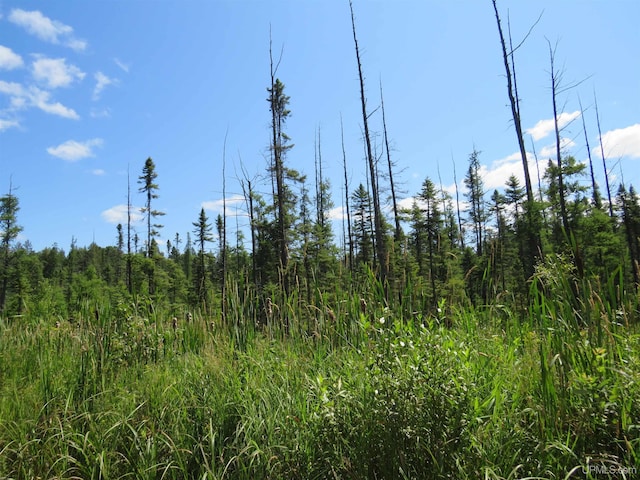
(555, 83)
(381, 246)
(595, 191)
(129, 260)
(394, 200)
(455, 182)
(223, 240)
(604, 159)
(346, 198)
(532, 233)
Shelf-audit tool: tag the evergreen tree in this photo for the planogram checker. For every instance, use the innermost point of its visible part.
(432, 225)
(362, 234)
(475, 196)
(202, 231)
(278, 103)
(9, 230)
(630, 205)
(149, 188)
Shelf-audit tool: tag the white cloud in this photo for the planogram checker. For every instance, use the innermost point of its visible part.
(12, 89)
(217, 205)
(7, 124)
(21, 97)
(622, 142)
(9, 59)
(123, 66)
(72, 151)
(46, 29)
(41, 99)
(497, 175)
(337, 213)
(55, 72)
(102, 81)
(549, 151)
(118, 214)
(545, 127)
(98, 172)
(102, 113)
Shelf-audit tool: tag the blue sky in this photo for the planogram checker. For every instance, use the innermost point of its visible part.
(89, 90)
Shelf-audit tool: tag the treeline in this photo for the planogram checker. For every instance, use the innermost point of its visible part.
(469, 248)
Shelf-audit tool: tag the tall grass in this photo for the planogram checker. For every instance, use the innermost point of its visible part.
(346, 388)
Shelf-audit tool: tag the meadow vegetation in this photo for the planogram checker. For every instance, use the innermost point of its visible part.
(121, 391)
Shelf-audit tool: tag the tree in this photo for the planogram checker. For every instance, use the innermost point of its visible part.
(432, 224)
(363, 245)
(378, 222)
(149, 188)
(349, 239)
(9, 231)
(278, 103)
(555, 86)
(595, 190)
(512, 91)
(202, 231)
(390, 165)
(631, 220)
(475, 196)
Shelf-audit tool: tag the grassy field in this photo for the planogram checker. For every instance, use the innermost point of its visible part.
(124, 392)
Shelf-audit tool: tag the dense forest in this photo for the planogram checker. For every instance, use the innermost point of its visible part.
(520, 306)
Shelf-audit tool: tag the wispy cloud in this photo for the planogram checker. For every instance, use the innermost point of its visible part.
(22, 97)
(102, 81)
(123, 66)
(55, 72)
(9, 60)
(544, 127)
(98, 172)
(550, 151)
(100, 113)
(46, 29)
(118, 214)
(217, 205)
(7, 124)
(622, 142)
(72, 151)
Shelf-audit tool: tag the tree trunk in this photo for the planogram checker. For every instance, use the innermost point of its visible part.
(381, 248)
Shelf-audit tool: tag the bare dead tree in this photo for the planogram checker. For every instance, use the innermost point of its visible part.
(595, 191)
(556, 79)
(223, 240)
(396, 216)
(515, 103)
(346, 198)
(514, 100)
(604, 159)
(455, 182)
(380, 243)
(129, 260)
(247, 192)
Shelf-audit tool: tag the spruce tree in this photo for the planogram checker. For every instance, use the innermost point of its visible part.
(9, 230)
(149, 188)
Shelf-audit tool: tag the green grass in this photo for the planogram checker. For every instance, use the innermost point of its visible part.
(486, 393)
